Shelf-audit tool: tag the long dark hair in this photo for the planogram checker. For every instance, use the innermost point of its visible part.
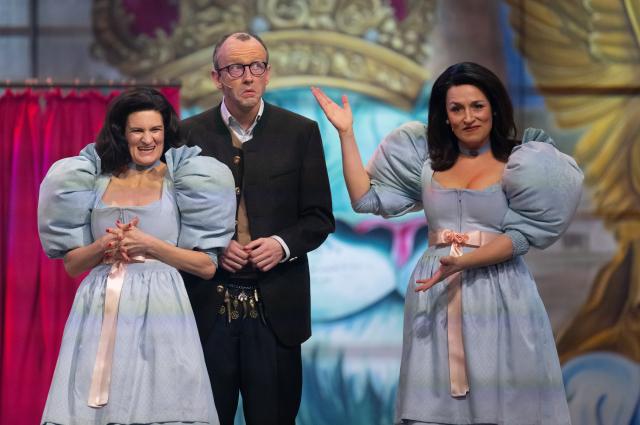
(111, 144)
(443, 144)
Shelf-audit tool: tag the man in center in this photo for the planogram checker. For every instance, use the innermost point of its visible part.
(254, 314)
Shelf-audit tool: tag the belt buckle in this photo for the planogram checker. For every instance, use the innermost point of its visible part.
(239, 301)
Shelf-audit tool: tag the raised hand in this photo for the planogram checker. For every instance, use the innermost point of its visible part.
(448, 266)
(340, 117)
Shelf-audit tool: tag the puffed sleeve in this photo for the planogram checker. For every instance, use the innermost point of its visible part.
(543, 187)
(396, 173)
(205, 195)
(67, 195)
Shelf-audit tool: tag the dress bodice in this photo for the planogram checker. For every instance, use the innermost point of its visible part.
(159, 218)
(463, 210)
(196, 209)
(533, 204)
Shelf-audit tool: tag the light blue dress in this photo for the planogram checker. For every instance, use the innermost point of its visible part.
(158, 373)
(512, 364)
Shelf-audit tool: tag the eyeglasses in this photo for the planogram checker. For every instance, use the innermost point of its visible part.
(236, 70)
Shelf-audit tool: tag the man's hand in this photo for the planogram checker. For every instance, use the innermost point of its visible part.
(265, 253)
(234, 257)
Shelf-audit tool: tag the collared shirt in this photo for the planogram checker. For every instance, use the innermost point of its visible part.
(233, 124)
(244, 136)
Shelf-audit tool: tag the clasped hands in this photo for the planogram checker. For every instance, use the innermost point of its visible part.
(262, 253)
(125, 243)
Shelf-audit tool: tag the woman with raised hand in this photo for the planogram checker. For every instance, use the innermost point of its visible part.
(477, 345)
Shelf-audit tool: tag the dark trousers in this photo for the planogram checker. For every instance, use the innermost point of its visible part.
(245, 357)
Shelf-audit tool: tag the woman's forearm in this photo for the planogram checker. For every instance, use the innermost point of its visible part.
(355, 176)
(341, 118)
(194, 262)
(494, 252)
(83, 258)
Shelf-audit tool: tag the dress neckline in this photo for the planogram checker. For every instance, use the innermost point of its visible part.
(490, 188)
(102, 204)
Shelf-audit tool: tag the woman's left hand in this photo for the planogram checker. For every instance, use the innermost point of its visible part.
(340, 117)
(135, 242)
(448, 266)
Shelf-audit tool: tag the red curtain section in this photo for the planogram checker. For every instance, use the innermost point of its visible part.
(36, 129)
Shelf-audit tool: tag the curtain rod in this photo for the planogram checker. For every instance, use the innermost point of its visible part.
(90, 84)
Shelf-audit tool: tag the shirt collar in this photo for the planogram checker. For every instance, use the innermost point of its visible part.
(232, 123)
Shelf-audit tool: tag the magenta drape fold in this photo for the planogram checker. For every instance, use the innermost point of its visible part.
(36, 129)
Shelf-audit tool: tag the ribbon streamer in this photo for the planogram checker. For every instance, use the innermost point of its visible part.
(455, 345)
(101, 378)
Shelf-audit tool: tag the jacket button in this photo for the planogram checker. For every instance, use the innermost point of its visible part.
(219, 288)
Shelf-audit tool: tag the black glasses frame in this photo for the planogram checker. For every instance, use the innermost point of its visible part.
(237, 70)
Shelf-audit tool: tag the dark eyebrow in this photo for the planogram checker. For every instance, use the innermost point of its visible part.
(473, 102)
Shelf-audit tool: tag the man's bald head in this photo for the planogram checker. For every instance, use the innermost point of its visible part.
(240, 36)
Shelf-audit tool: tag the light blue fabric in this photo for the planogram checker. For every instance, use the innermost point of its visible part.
(66, 197)
(395, 170)
(542, 185)
(512, 364)
(159, 374)
(206, 198)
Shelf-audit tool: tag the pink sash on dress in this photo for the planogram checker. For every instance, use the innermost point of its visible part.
(457, 365)
(101, 378)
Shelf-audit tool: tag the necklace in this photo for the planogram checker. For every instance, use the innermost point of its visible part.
(474, 152)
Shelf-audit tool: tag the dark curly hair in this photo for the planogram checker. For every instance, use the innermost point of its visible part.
(111, 144)
(443, 144)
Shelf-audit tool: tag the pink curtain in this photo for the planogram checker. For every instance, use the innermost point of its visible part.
(36, 129)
